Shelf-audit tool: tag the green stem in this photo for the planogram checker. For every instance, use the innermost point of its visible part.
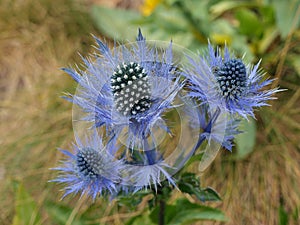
(161, 215)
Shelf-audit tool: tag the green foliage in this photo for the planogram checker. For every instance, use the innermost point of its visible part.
(287, 15)
(250, 23)
(62, 214)
(286, 217)
(295, 61)
(189, 183)
(245, 141)
(133, 200)
(115, 23)
(26, 210)
(185, 212)
(283, 216)
(194, 158)
(296, 213)
(248, 26)
(140, 219)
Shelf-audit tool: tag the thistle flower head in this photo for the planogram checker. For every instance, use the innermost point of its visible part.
(232, 77)
(225, 81)
(124, 90)
(131, 89)
(89, 170)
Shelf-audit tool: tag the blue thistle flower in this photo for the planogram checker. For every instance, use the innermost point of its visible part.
(125, 90)
(226, 82)
(90, 170)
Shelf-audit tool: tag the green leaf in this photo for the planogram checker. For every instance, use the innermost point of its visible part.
(241, 46)
(189, 183)
(26, 210)
(223, 6)
(198, 10)
(140, 219)
(208, 194)
(221, 32)
(132, 201)
(170, 18)
(250, 24)
(268, 14)
(283, 216)
(163, 24)
(295, 59)
(245, 141)
(60, 214)
(167, 23)
(270, 34)
(296, 213)
(194, 212)
(116, 23)
(184, 212)
(287, 15)
(194, 158)
(170, 211)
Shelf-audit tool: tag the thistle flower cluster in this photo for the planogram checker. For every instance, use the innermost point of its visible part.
(130, 97)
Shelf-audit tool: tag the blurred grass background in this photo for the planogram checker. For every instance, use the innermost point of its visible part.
(37, 37)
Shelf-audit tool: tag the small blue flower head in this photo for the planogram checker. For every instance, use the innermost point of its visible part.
(89, 170)
(226, 82)
(232, 77)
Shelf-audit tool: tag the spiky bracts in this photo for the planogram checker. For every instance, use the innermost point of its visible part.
(225, 82)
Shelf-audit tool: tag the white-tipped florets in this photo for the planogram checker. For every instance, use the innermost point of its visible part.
(131, 89)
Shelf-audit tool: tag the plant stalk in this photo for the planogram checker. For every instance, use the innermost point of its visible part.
(161, 215)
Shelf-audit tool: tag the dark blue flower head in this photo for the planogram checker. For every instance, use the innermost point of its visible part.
(90, 170)
(232, 78)
(225, 82)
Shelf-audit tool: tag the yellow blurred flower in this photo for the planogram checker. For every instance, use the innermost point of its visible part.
(221, 39)
(148, 7)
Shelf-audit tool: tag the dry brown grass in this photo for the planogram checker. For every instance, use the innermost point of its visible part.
(255, 188)
(39, 37)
